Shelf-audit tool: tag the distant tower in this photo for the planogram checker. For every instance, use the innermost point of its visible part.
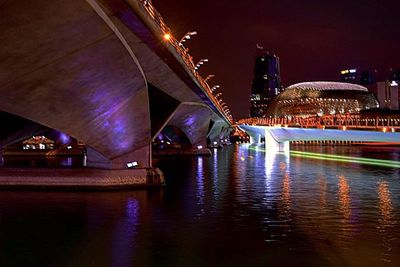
(368, 78)
(349, 76)
(394, 75)
(266, 81)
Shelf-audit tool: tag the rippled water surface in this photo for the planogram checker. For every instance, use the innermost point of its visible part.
(239, 207)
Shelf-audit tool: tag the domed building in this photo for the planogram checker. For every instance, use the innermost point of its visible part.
(322, 98)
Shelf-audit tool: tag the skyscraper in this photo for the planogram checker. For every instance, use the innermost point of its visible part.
(368, 78)
(349, 76)
(266, 82)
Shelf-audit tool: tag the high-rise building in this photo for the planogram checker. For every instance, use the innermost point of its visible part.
(368, 78)
(349, 76)
(394, 75)
(387, 93)
(266, 82)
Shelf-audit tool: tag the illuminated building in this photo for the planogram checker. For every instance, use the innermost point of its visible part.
(387, 93)
(38, 142)
(239, 136)
(266, 82)
(348, 76)
(322, 98)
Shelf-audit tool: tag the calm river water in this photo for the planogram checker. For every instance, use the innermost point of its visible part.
(238, 207)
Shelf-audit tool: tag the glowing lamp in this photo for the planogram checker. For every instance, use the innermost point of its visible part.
(167, 36)
(132, 164)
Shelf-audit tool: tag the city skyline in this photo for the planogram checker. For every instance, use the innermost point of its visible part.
(118, 146)
(326, 37)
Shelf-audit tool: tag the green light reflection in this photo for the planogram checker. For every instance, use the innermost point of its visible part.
(338, 158)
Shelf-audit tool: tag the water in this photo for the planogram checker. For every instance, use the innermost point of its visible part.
(239, 207)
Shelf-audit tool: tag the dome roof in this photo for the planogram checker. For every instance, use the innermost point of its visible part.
(327, 86)
(312, 98)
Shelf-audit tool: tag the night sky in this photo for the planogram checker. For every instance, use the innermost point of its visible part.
(314, 39)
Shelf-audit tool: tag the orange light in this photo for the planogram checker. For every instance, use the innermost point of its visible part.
(167, 36)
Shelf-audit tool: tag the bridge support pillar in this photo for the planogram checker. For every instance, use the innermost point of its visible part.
(255, 139)
(118, 173)
(94, 159)
(274, 146)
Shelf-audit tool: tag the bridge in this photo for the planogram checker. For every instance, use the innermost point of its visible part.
(106, 72)
(277, 133)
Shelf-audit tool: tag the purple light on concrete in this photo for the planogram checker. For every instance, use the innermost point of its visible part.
(160, 136)
(108, 112)
(119, 132)
(190, 121)
(64, 138)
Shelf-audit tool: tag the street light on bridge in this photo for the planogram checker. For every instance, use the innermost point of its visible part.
(208, 77)
(215, 87)
(186, 37)
(201, 62)
(167, 36)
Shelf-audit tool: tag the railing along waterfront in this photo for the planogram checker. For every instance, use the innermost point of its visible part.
(183, 53)
(343, 122)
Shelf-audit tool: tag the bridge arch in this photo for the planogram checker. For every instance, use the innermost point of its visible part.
(75, 77)
(192, 119)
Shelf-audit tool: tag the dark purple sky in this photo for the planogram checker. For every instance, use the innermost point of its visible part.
(314, 39)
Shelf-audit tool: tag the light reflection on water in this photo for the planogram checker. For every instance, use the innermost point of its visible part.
(239, 207)
(386, 220)
(200, 185)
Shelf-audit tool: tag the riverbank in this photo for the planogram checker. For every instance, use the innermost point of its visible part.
(79, 178)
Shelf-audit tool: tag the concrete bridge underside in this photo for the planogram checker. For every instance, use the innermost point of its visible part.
(85, 68)
(277, 138)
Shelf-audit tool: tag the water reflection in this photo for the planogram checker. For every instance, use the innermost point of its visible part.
(386, 220)
(344, 198)
(124, 233)
(200, 185)
(268, 167)
(66, 161)
(215, 175)
(285, 198)
(385, 204)
(323, 186)
(239, 207)
(345, 210)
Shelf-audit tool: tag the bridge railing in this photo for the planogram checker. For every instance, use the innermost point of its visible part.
(185, 56)
(344, 122)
